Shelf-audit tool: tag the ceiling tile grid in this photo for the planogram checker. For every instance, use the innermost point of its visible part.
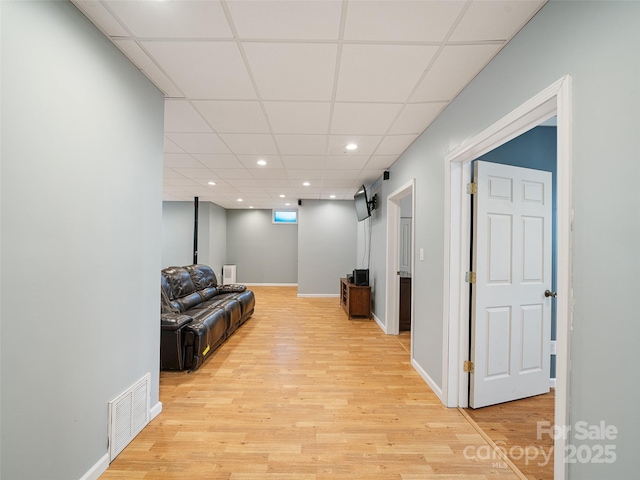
(291, 83)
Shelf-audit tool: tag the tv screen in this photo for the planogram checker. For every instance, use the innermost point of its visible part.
(362, 204)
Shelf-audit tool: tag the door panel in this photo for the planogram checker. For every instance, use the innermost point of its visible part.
(511, 317)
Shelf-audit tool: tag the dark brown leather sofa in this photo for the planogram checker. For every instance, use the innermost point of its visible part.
(198, 315)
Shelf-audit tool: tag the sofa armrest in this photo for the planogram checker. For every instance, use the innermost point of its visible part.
(174, 321)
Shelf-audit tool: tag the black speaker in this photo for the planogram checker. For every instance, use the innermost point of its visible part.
(385, 175)
(361, 278)
(299, 202)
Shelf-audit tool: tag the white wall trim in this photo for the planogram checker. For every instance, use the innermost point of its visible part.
(318, 295)
(155, 411)
(425, 376)
(270, 284)
(554, 100)
(377, 320)
(392, 322)
(101, 465)
(97, 469)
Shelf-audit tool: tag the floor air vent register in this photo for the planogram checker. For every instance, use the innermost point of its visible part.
(129, 413)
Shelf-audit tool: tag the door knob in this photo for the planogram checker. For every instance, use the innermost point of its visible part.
(549, 293)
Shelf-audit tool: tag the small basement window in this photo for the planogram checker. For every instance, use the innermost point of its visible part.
(285, 216)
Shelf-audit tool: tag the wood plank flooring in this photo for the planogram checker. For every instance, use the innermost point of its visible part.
(301, 393)
(513, 427)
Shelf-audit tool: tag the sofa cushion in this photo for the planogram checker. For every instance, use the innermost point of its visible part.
(188, 302)
(179, 282)
(231, 288)
(208, 293)
(202, 276)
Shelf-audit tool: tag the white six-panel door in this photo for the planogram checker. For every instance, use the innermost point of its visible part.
(511, 316)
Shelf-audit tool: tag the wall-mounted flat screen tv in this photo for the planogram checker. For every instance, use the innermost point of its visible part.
(362, 204)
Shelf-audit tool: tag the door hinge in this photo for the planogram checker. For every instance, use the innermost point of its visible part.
(472, 188)
(468, 366)
(470, 277)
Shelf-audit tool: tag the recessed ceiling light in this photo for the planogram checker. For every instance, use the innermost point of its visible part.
(281, 196)
(351, 146)
(261, 162)
(250, 206)
(240, 200)
(287, 204)
(306, 184)
(332, 196)
(212, 183)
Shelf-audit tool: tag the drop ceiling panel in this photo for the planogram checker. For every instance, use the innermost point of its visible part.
(170, 147)
(138, 56)
(271, 174)
(250, 143)
(176, 19)
(306, 174)
(214, 161)
(366, 144)
(414, 117)
(301, 144)
(100, 16)
(180, 116)
(292, 71)
(198, 142)
(299, 117)
(452, 68)
(332, 183)
(251, 161)
(303, 162)
(494, 20)
(308, 20)
(341, 174)
(228, 116)
(395, 144)
(381, 73)
(204, 69)
(336, 162)
(180, 160)
(231, 173)
(408, 21)
(196, 173)
(380, 162)
(363, 118)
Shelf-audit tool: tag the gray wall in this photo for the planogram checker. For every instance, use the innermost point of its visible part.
(326, 245)
(81, 176)
(598, 44)
(262, 251)
(177, 234)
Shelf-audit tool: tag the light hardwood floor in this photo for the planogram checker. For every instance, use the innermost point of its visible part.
(301, 393)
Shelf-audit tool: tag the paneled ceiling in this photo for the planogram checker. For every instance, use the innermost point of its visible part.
(294, 82)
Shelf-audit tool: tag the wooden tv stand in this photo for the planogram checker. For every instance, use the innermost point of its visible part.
(355, 300)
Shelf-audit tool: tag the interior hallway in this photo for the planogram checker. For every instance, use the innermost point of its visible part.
(299, 392)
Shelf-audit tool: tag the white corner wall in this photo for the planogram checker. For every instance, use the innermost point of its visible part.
(80, 193)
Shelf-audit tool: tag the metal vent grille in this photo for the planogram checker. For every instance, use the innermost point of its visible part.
(129, 413)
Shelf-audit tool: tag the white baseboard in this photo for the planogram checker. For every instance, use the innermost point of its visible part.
(155, 411)
(425, 376)
(318, 295)
(552, 382)
(382, 326)
(101, 465)
(270, 284)
(98, 469)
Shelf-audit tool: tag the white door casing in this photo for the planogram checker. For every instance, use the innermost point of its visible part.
(511, 316)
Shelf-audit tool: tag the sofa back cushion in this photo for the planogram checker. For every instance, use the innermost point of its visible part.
(202, 276)
(179, 281)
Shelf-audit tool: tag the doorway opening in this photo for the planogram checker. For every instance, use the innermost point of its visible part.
(553, 101)
(403, 196)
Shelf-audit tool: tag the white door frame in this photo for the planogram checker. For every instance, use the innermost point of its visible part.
(392, 322)
(554, 100)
